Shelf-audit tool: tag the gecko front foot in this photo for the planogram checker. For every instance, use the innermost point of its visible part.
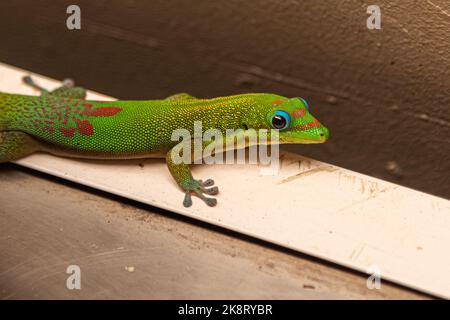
(68, 83)
(200, 188)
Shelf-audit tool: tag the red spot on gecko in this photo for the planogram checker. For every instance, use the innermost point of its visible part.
(277, 101)
(312, 124)
(66, 117)
(298, 113)
(68, 120)
(67, 132)
(315, 123)
(102, 111)
(84, 127)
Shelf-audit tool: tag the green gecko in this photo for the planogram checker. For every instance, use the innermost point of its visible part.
(63, 123)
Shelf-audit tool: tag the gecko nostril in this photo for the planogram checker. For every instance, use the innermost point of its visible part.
(324, 133)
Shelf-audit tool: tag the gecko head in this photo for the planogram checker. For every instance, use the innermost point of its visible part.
(291, 120)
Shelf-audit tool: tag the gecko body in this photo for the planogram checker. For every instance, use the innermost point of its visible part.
(63, 123)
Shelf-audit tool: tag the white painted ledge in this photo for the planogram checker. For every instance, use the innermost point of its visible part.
(312, 207)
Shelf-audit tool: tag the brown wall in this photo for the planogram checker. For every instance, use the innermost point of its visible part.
(384, 94)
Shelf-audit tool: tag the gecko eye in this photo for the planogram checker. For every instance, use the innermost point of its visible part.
(280, 120)
(304, 102)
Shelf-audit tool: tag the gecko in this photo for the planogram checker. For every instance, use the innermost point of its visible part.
(63, 123)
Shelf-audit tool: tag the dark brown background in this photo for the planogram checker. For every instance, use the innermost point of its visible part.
(384, 94)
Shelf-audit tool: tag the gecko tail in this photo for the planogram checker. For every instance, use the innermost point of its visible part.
(15, 145)
(5, 121)
(3, 124)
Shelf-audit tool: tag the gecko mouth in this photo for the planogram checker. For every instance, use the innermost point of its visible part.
(302, 141)
(319, 138)
(316, 134)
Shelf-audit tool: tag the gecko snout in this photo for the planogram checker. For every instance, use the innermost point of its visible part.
(324, 133)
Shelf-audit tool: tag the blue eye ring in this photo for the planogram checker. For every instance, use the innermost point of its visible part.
(280, 120)
(304, 102)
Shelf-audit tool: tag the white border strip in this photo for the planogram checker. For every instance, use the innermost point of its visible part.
(325, 211)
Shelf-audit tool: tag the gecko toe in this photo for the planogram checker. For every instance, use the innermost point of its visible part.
(200, 188)
(207, 183)
(68, 83)
(27, 79)
(210, 202)
(187, 202)
(211, 191)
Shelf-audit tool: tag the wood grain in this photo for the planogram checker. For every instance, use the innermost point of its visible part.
(47, 225)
